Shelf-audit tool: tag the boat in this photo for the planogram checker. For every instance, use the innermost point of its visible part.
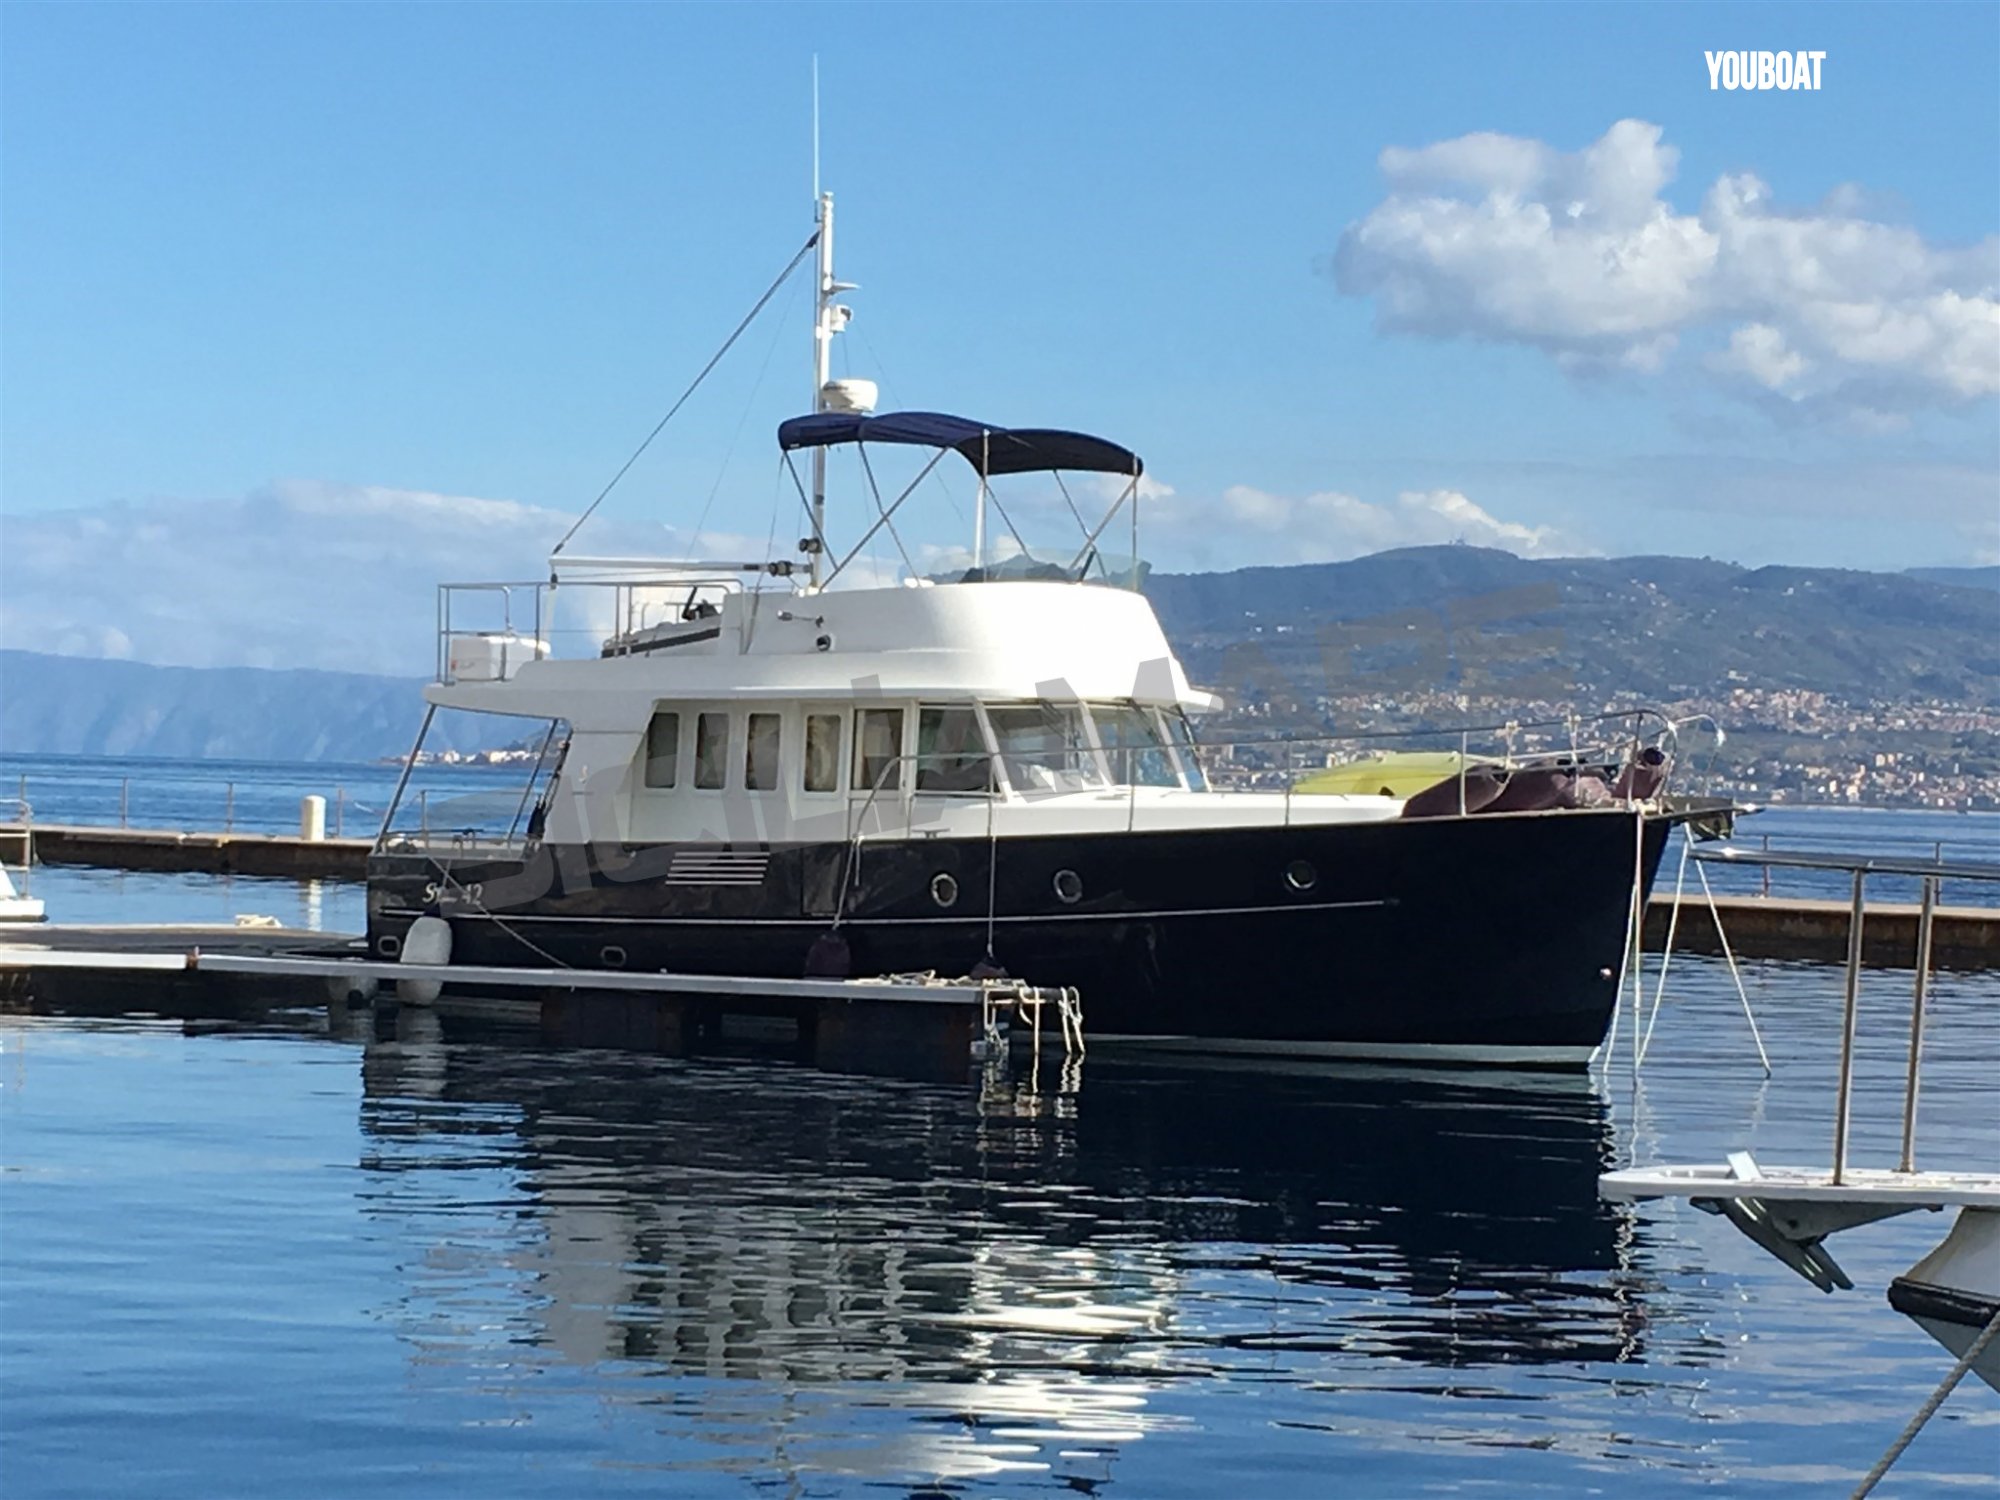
(15, 907)
(21, 905)
(771, 769)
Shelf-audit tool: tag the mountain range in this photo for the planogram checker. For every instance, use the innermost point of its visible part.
(1396, 622)
(78, 705)
(1662, 627)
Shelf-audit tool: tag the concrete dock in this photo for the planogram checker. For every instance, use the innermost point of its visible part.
(109, 968)
(901, 1025)
(171, 849)
(1964, 937)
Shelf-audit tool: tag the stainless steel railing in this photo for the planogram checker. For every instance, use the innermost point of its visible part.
(1859, 868)
(487, 631)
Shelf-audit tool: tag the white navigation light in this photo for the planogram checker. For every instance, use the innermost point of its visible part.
(849, 395)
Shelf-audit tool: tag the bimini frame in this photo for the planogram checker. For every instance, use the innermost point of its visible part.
(991, 450)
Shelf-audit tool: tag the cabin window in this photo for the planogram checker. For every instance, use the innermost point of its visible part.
(951, 751)
(663, 750)
(1137, 754)
(711, 750)
(878, 748)
(1044, 747)
(760, 754)
(822, 764)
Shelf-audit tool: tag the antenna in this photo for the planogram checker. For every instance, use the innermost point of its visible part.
(824, 328)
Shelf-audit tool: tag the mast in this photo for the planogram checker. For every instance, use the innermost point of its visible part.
(828, 318)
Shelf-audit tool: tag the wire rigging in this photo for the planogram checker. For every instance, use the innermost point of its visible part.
(714, 360)
(701, 521)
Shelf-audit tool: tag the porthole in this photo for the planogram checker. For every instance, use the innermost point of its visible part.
(388, 945)
(612, 956)
(1069, 887)
(944, 889)
(1300, 875)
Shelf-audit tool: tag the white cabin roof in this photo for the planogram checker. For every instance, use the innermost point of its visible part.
(991, 640)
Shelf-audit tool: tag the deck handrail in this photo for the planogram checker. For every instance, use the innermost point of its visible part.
(1860, 867)
(1865, 864)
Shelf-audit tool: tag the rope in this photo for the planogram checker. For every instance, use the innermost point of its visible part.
(1929, 1409)
(1638, 930)
(1734, 973)
(493, 917)
(1667, 953)
(714, 360)
(992, 857)
(1634, 917)
(701, 521)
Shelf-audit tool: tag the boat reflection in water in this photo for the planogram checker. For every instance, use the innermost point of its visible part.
(877, 1278)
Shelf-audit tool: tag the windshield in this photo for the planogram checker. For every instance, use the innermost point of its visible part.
(1190, 753)
(1044, 748)
(1136, 753)
(951, 752)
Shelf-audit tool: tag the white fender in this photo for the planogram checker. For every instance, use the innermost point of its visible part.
(341, 990)
(427, 942)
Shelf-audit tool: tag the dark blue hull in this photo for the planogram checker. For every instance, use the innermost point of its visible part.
(1487, 938)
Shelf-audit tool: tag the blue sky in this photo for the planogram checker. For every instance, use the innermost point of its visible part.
(471, 253)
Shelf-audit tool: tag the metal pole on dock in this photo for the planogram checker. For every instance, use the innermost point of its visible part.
(1767, 868)
(1908, 1161)
(1844, 1094)
(124, 801)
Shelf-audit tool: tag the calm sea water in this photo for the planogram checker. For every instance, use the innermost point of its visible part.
(287, 1262)
(248, 796)
(283, 1261)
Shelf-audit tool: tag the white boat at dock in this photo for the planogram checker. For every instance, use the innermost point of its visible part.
(20, 905)
(771, 769)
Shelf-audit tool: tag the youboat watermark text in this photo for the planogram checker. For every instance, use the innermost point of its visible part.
(1764, 70)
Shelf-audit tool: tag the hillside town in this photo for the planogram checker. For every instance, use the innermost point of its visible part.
(1785, 745)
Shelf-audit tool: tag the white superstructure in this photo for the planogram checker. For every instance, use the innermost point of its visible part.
(1002, 707)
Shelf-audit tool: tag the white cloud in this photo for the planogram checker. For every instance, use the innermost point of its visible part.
(1108, 488)
(1759, 352)
(1577, 253)
(297, 573)
(1330, 526)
